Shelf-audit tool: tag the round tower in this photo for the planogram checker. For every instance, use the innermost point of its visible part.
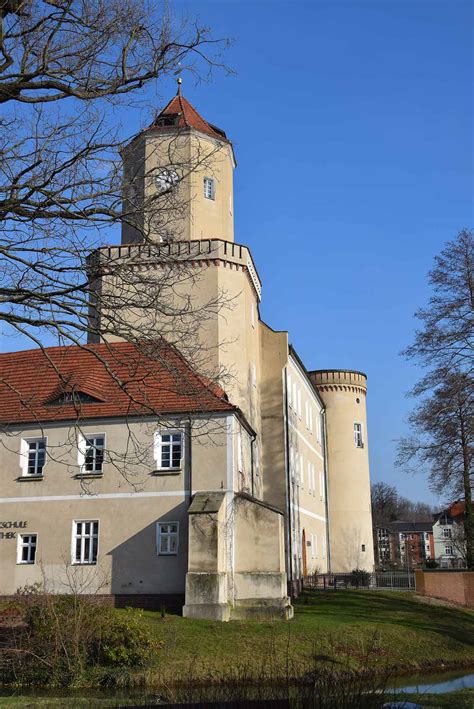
(349, 510)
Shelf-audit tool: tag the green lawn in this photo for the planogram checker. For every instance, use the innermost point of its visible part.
(347, 628)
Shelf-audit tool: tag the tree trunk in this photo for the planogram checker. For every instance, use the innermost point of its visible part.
(468, 522)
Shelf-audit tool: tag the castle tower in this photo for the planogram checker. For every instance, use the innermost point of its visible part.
(349, 509)
(178, 209)
(178, 179)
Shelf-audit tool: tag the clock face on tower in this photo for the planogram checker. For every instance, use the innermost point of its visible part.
(165, 179)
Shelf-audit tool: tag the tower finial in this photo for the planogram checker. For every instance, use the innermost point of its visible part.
(180, 81)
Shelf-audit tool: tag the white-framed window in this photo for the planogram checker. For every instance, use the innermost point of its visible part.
(310, 408)
(310, 485)
(297, 469)
(289, 391)
(26, 548)
(319, 426)
(448, 550)
(167, 537)
(358, 438)
(209, 188)
(323, 547)
(314, 544)
(446, 533)
(301, 471)
(299, 402)
(295, 397)
(169, 450)
(94, 453)
(85, 541)
(90, 453)
(322, 489)
(33, 456)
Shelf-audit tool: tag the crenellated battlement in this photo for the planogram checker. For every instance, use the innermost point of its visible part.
(200, 251)
(340, 379)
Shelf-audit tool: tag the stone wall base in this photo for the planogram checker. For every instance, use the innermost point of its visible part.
(207, 611)
(262, 609)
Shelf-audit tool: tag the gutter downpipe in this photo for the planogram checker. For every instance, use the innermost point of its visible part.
(252, 441)
(326, 483)
(288, 489)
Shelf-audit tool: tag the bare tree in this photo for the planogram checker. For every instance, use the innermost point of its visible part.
(65, 66)
(447, 337)
(442, 422)
(388, 506)
(384, 500)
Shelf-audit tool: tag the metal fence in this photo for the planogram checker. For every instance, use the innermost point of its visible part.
(393, 580)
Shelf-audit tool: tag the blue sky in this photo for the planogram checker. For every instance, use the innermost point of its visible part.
(352, 126)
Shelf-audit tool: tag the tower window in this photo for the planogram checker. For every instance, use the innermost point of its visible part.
(209, 188)
(358, 435)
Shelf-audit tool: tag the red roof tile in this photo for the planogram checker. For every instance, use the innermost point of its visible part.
(187, 117)
(124, 381)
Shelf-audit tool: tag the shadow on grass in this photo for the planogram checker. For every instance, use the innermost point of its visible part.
(380, 608)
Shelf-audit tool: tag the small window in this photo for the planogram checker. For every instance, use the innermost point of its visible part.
(209, 188)
(94, 454)
(166, 120)
(358, 435)
(169, 450)
(363, 547)
(446, 533)
(36, 451)
(448, 550)
(85, 542)
(26, 551)
(167, 538)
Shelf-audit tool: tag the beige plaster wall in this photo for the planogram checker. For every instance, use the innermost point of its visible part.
(307, 473)
(128, 500)
(350, 516)
(273, 358)
(184, 213)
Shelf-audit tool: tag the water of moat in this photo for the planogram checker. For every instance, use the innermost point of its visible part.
(440, 683)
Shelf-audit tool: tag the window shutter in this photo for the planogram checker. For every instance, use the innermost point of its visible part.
(81, 450)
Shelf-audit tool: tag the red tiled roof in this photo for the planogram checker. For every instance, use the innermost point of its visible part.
(123, 379)
(188, 117)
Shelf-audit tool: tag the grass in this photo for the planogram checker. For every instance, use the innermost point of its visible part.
(396, 629)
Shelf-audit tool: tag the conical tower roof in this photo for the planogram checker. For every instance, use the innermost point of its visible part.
(179, 113)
